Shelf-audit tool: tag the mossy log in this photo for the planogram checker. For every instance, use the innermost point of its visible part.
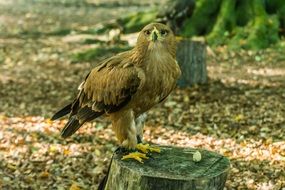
(191, 57)
(172, 169)
(249, 24)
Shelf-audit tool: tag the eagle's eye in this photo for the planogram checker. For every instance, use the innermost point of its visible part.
(164, 32)
(147, 32)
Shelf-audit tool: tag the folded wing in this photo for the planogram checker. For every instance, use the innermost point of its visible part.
(107, 88)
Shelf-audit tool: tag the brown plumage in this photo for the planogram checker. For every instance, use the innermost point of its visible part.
(127, 85)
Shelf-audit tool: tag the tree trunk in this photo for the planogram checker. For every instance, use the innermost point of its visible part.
(191, 57)
(171, 169)
(202, 20)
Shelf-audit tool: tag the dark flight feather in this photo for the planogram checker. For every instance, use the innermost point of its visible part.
(74, 123)
(70, 127)
(64, 111)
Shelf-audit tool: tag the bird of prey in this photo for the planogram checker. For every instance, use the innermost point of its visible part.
(125, 86)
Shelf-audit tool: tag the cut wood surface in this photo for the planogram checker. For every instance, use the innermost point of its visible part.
(191, 57)
(172, 169)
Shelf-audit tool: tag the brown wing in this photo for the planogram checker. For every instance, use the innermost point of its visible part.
(106, 89)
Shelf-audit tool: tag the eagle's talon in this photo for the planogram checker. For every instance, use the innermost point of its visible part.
(135, 155)
(146, 148)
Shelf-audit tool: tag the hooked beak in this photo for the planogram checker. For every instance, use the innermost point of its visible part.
(154, 34)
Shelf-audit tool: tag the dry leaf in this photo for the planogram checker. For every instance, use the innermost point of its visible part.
(74, 186)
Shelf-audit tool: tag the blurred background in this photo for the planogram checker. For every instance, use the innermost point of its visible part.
(48, 46)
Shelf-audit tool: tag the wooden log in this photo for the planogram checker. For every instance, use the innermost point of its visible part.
(172, 169)
(191, 57)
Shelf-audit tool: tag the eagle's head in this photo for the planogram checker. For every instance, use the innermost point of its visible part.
(157, 37)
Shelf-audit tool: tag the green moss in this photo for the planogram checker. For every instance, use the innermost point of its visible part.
(60, 32)
(239, 38)
(253, 24)
(224, 24)
(37, 34)
(259, 32)
(93, 41)
(100, 29)
(264, 28)
(130, 23)
(272, 6)
(178, 163)
(202, 19)
(281, 16)
(256, 35)
(31, 33)
(135, 22)
(95, 53)
(243, 12)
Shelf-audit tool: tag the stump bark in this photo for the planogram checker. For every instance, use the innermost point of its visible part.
(191, 57)
(172, 169)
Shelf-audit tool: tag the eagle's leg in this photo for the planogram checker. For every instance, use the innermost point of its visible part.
(124, 126)
(145, 148)
(139, 126)
(139, 156)
(129, 132)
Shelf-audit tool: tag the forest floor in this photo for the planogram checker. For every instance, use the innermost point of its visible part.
(240, 113)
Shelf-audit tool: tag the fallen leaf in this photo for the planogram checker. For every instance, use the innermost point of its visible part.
(74, 186)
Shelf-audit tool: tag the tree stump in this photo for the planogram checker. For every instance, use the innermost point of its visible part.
(172, 169)
(191, 57)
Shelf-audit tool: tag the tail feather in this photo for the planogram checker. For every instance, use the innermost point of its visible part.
(71, 127)
(64, 111)
(73, 124)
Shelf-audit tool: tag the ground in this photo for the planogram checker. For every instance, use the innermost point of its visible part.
(239, 113)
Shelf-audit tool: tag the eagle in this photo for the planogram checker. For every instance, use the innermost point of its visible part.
(125, 86)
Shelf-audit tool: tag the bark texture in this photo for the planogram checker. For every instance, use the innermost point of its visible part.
(191, 57)
(172, 169)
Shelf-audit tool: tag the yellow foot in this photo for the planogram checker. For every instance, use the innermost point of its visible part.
(135, 155)
(145, 148)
